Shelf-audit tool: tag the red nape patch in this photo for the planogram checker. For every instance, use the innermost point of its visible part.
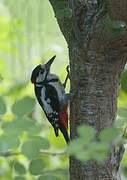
(64, 117)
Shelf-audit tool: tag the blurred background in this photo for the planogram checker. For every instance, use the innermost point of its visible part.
(29, 35)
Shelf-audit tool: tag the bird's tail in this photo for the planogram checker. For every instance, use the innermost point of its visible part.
(65, 133)
(56, 131)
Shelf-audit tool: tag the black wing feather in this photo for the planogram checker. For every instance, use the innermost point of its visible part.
(50, 93)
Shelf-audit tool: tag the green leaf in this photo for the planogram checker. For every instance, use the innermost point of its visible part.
(115, 28)
(61, 5)
(29, 149)
(19, 178)
(99, 147)
(3, 108)
(100, 157)
(36, 166)
(48, 177)
(99, 151)
(60, 14)
(124, 80)
(7, 143)
(91, 150)
(23, 106)
(118, 32)
(64, 13)
(114, 24)
(118, 24)
(108, 134)
(86, 148)
(10, 129)
(41, 142)
(62, 10)
(83, 155)
(19, 168)
(32, 147)
(36, 129)
(68, 12)
(86, 132)
(75, 146)
(18, 126)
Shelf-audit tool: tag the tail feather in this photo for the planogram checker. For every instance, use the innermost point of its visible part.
(65, 133)
(56, 131)
(63, 124)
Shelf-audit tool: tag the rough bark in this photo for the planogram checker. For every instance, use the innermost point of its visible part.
(97, 60)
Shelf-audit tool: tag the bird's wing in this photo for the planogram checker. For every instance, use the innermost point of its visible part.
(49, 101)
(51, 106)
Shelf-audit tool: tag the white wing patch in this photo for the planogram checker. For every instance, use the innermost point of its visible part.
(47, 107)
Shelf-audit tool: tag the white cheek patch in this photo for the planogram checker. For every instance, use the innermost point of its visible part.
(40, 77)
(47, 107)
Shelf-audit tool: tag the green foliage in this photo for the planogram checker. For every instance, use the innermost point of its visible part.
(7, 36)
(48, 177)
(16, 88)
(19, 168)
(116, 28)
(16, 128)
(23, 106)
(123, 81)
(61, 5)
(62, 10)
(108, 134)
(36, 166)
(84, 130)
(7, 142)
(64, 13)
(2, 106)
(85, 147)
(32, 147)
(118, 24)
(19, 178)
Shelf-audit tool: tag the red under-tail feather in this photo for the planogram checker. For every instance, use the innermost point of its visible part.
(64, 117)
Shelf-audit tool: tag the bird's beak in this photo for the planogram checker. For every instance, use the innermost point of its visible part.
(48, 64)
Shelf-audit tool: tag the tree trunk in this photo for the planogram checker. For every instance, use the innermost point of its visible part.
(96, 60)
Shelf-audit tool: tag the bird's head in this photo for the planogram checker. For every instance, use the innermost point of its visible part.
(41, 71)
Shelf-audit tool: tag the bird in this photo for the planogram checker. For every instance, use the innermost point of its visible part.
(51, 95)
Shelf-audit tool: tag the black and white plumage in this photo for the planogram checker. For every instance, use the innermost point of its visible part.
(50, 93)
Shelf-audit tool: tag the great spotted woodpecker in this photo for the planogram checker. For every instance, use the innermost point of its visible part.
(50, 93)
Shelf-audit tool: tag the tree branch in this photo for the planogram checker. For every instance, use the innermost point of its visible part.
(42, 153)
(8, 153)
(52, 154)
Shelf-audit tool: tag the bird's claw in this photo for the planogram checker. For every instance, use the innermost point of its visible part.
(68, 71)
